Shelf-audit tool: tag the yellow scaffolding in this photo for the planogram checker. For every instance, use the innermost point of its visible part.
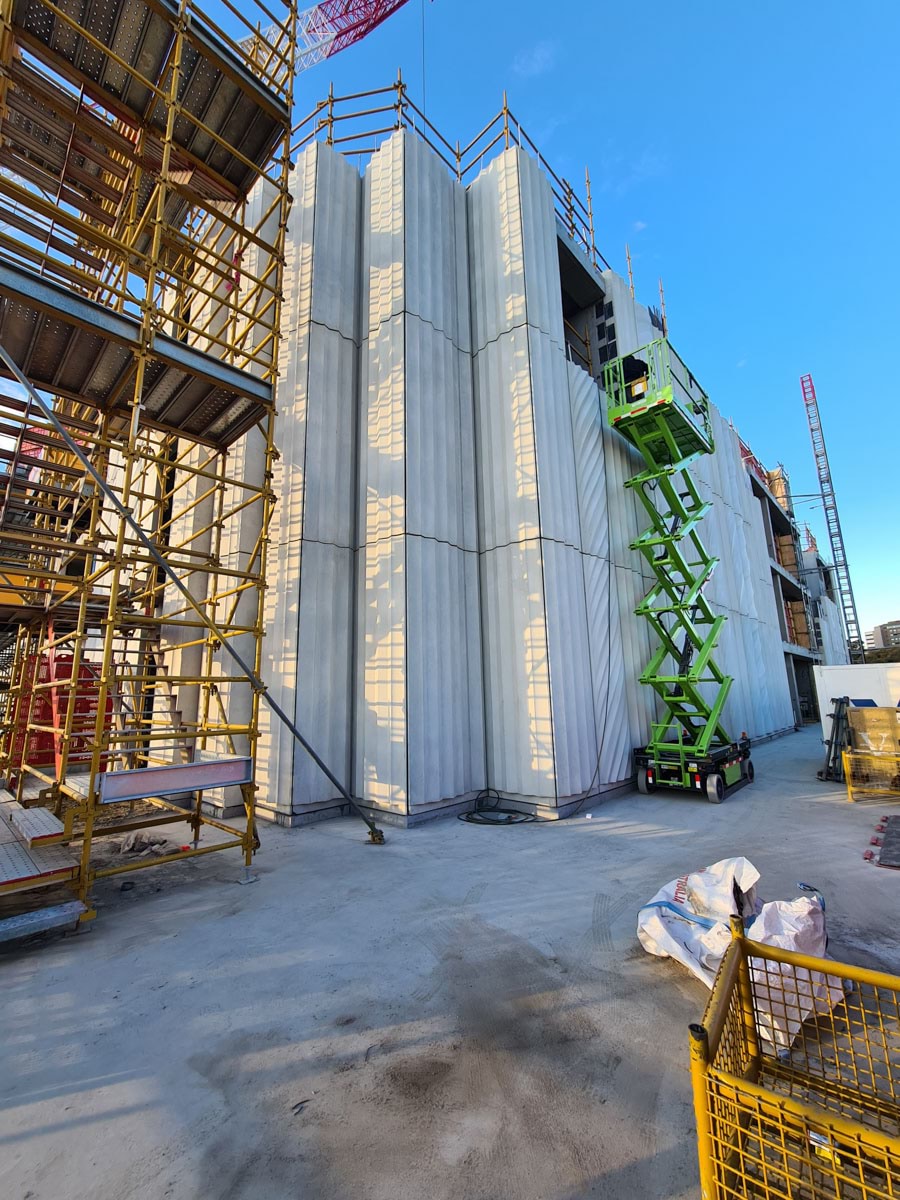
(797, 1097)
(144, 166)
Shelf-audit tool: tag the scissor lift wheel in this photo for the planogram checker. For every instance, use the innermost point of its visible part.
(644, 786)
(715, 788)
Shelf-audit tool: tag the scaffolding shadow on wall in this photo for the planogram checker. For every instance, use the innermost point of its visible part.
(357, 124)
(143, 205)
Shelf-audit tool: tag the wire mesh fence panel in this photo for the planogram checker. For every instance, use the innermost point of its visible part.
(796, 1074)
(872, 773)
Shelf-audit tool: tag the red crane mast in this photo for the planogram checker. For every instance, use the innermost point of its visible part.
(329, 27)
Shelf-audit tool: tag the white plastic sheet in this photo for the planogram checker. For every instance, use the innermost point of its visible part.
(784, 995)
(688, 920)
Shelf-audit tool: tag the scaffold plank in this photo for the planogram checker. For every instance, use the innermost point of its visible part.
(188, 390)
(225, 94)
(18, 865)
(33, 825)
(39, 920)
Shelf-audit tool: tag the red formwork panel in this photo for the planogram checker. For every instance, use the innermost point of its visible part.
(48, 707)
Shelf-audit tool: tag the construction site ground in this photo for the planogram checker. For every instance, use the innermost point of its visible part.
(463, 1013)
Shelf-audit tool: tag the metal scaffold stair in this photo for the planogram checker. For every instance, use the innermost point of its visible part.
(657, 405)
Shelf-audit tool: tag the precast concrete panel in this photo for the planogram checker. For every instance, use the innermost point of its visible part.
(506, 459)
(552, 418)
(383, 430)
(445, 730)
(612, 737)
(275, 747)
(336, 250)
(439, 452)
(637, 649)
(436, 255)
(383, 245)
(618, 294)
(542, 733)
(632, 580)
(569, 657)
(308, 650)
(613, 734)
(590, 463)
(323, 686)
(769, 707)
(296, 310)
(381, 693)
(326, 475)
(831, 627)
(543, 307)
(496, 253)
(419, 728)
(275, 754)
(518, 716)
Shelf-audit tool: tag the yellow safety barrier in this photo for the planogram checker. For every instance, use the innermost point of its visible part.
(871, 773)
(818, 1119)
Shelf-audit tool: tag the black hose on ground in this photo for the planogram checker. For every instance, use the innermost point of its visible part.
(488, 810)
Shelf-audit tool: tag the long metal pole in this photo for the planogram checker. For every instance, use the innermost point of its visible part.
(376, 835)
(705, 1145)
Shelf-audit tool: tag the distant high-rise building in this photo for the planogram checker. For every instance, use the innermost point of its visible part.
(883, 636)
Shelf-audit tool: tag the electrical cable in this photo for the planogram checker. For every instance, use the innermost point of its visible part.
(485, 813)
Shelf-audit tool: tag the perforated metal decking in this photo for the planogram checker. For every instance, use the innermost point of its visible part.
(657, 405)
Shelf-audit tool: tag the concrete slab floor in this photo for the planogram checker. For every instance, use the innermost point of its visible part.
(463, 1012)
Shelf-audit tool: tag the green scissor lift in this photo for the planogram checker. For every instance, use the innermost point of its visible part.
(657, 405)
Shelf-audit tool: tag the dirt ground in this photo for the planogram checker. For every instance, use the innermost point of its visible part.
(462, 1013)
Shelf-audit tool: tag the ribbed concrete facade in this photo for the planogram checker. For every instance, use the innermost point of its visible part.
(419, 710)
(451, 585)
(308, 649)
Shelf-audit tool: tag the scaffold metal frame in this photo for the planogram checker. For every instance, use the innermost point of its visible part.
(143, 208)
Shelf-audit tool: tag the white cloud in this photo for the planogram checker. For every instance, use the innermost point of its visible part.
(639, 226)
(741, 362)
(622, 173)
(538, 60)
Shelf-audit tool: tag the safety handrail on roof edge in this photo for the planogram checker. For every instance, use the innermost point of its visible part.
(328, 115)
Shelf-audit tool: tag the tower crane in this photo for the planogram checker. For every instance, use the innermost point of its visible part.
(832, 521)
(332, 26)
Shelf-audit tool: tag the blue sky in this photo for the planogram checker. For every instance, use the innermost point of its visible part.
(749, 155)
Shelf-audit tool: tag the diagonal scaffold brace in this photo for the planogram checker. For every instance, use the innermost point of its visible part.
(376, 835)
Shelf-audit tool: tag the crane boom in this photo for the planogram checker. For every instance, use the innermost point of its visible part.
(832, 520)
(329, 27)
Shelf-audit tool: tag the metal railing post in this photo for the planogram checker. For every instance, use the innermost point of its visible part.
(590, 209)
(699, 1069)
(745, 991)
